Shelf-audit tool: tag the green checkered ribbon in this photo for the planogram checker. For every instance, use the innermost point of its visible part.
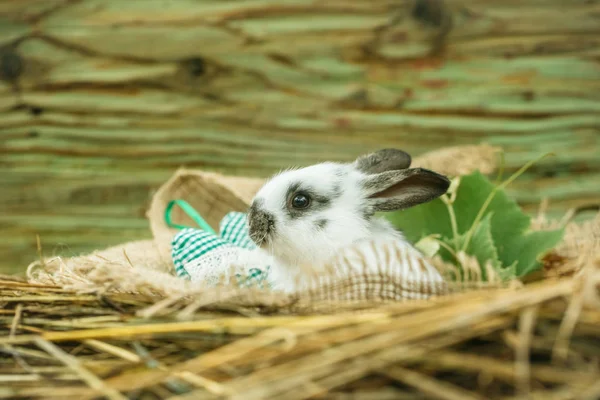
(191, 247)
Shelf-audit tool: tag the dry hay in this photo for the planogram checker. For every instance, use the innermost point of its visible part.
(536, 341)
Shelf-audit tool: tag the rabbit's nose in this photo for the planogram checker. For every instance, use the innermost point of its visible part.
(260, 225)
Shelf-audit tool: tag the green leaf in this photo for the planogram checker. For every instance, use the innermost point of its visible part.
(526, 249)
(516, 247)
(481, 245)
(423, 220)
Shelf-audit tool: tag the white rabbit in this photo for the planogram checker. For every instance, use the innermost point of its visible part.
(304, 216)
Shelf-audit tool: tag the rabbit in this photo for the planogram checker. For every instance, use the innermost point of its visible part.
(304, 216)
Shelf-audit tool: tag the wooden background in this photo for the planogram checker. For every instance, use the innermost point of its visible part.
(101, 100)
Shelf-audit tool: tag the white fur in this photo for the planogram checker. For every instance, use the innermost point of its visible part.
(299, 241)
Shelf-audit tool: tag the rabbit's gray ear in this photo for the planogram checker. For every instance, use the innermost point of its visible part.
(396, 190)
(383, 160)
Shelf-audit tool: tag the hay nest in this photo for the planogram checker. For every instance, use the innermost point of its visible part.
(537, 341)
(117, 324)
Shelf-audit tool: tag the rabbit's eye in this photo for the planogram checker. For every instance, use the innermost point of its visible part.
(300, 201)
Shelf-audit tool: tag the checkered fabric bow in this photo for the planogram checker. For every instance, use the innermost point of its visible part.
(201, 254)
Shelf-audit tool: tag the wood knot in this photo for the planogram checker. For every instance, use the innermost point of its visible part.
(434, 14)
(430, 12)
(36, 111)
(11, 64)
(528, 95)
(196, 66)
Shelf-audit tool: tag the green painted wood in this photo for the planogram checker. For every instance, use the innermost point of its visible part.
(113, 96)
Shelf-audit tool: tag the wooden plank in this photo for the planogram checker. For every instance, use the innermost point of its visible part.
(107, 98)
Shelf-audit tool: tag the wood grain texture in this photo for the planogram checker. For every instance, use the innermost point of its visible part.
(101, 100)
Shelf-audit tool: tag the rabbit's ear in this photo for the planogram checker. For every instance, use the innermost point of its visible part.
(383, 160)
(396, 190)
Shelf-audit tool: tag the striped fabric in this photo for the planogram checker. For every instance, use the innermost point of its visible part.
(234, 229)
(194, 250)
(191, 244)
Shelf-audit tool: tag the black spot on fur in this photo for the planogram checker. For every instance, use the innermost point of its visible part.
(261, 224)
(322, 223)
(337, 191)
(320, 199)
(293, 187)
(318, 202)
(256, 204)
(367, 213)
